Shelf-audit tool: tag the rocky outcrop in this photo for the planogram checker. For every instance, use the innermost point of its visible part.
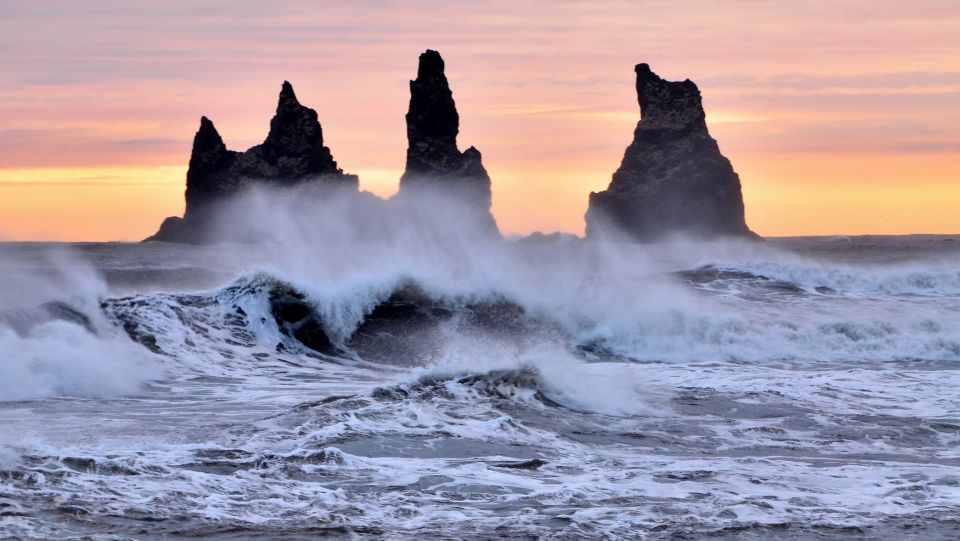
(433, 159)
(292, 153)
(673, 178)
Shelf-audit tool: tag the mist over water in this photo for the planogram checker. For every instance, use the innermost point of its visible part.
(350, 366)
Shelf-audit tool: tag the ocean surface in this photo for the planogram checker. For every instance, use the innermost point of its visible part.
(426, 388)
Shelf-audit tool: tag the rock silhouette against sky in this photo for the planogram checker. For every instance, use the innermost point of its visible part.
(673, 178)
(292, 153)
(433, 159)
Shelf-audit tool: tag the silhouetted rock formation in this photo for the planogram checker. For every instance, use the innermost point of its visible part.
(292, 153)
(433, 159)
(538, 238)
(673, 178)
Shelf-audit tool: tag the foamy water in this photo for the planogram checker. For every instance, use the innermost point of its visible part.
(794, 389)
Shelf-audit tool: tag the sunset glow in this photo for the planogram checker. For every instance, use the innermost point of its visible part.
(834, 127)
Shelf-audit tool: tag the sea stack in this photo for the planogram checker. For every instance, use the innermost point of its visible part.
(673, 180)
(292, 153)
(434, 161)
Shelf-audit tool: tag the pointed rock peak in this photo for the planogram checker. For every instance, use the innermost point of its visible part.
(295, 129)
(207, 154)
(431, 65)
(206, 126)
(207, 136)
(667, 104)
(287, 96)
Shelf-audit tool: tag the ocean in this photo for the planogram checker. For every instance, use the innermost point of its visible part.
(431, 387)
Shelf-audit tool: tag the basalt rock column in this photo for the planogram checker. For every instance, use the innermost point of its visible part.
(433, 159)
(673, 178)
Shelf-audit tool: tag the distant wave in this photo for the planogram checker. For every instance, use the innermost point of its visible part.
(927, 279)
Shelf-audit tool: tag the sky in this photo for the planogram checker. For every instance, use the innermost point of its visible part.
(841, 117)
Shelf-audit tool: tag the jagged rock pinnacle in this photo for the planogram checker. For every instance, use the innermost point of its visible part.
(668, 105)
(287, 95)
(209, 155)
(673, 178)
(208, 147)
(292, 153)
(295, 142)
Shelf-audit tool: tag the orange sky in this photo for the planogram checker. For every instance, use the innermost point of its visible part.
(841, 117)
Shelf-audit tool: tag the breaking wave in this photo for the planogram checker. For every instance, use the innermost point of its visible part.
(729, 315)
(716, 312)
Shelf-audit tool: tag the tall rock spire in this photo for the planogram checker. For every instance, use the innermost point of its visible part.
(673, 178)
(433, 158)
(432, 120)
